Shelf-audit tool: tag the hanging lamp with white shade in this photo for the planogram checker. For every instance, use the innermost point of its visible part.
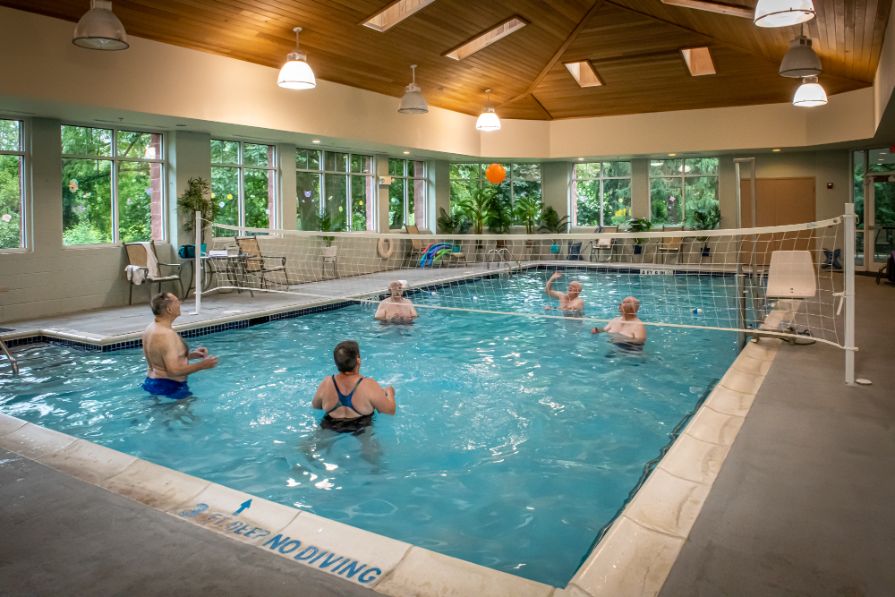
(783, 13)
(100, 29)
(800, 60)
(810, 94)
(296, 73)
(488, 120)
(413, 101)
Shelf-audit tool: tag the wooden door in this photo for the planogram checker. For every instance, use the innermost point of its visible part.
(778, 201)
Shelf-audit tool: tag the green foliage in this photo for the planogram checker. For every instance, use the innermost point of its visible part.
(330, 224)
(477, 207)
(500, 214)
(197, 197)
(551, 222)
(705, 217)
(527, 212)
(639, 225)
(452, 222)
(83, 233)
(10, 202)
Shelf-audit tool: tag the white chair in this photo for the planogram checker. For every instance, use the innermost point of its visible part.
(601, 245)
(791, 278)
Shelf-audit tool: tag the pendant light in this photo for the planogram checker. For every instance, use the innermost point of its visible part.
(100, 29)
(783, 13)
(296, 73)
(413, 101)
(809, 94)
(800, 60)
(488, 120)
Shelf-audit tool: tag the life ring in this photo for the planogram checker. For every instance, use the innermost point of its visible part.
(386, 247)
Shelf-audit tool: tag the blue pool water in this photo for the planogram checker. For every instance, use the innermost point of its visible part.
(516, 439)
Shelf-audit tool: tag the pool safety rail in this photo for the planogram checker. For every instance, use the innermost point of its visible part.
(12, 360)
(294, 262)
(633, 558)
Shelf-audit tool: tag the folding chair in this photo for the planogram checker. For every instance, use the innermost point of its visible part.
(259, 264)
(144, 256)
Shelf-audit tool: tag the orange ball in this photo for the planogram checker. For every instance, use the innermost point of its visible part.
(495, 173)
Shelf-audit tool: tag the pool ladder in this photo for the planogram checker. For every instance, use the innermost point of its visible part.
(12, 359)
(500, 256)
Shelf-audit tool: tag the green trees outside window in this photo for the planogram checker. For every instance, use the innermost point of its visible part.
(335, 185)
(243, 182)
(112, 185)
(523, 180)
(407, 193)
(12, 168)
(680, 188)
(602, 192)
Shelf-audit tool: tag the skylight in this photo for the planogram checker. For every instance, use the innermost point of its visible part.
(487, 38)
(394, 13)
(699, 61)
(584, 74)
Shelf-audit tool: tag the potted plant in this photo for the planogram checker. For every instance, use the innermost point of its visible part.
(550, 222)
(528, 212)
(328, 224)
(197, 197)
(639, 225)
(477, 207)
(706, 217)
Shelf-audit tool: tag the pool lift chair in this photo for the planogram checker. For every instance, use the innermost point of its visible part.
(791, 278)
(144, 256)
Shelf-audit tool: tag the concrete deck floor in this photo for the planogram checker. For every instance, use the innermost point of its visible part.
(803, 505)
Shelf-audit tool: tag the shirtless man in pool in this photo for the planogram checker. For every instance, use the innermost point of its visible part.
(627, 329)
(570, 303)
(167, 356)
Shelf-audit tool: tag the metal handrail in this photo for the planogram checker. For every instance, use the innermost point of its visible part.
(12, 359)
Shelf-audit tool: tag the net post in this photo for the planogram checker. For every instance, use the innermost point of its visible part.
(741, 306)
(197, 255)
(849, 290)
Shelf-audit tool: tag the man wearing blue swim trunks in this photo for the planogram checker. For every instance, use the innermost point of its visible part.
(167, 356)
(348, 398)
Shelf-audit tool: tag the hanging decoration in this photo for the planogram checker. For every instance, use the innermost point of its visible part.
(495, 173)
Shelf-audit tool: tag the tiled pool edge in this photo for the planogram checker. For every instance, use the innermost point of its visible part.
(639, 549)
(634, 558)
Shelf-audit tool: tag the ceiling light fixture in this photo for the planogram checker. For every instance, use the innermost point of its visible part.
(100, 29)
(296, 73)
(488, 120)
(783, 13)
(413, 101)
(810, 94)
(800, 60)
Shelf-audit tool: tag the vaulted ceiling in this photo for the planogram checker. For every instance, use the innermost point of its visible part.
(634, 45)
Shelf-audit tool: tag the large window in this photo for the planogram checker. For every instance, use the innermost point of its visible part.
(680, 188)
(407, 193)
(335, 191)
(112, 186)
(243, 183)
(522, 180)
(12, 195)
(602, 193)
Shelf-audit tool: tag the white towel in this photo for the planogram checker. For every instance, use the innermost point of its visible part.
(135, 274)
(151, 261)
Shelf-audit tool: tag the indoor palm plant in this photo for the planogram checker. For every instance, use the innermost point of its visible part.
(197, 197)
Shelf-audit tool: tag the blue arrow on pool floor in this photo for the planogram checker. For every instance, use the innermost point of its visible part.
(243, 506)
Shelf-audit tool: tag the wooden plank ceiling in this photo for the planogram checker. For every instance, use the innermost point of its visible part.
(633, 44)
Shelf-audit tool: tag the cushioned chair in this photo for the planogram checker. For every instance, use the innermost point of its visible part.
(417, 245)
(145, 257)
(256, 263)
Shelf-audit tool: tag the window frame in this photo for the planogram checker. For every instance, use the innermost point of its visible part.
(24, 186)
(115, 160)
(682, 177)
(273, 176)
(322, 173)
(408, 178)
(573, 189)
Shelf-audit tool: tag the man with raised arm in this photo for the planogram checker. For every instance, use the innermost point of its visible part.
(570, 303)
(167, 355)
(395, 308)
(348, 398)
(626, 330)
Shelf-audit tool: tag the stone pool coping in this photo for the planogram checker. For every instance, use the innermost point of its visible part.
(634, 557)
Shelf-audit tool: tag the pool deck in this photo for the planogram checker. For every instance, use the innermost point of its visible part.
(792, 511)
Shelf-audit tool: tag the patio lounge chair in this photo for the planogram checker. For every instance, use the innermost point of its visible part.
(602, 245)
(144, 256)
(670, 245)
(256, 263)
(418, 246)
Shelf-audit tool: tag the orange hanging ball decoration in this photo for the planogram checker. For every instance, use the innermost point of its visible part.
(495, 173)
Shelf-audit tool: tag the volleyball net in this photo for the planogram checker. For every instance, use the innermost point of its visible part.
(786, 281)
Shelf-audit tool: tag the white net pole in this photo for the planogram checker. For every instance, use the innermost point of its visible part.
(849, 288)
(197, 269)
